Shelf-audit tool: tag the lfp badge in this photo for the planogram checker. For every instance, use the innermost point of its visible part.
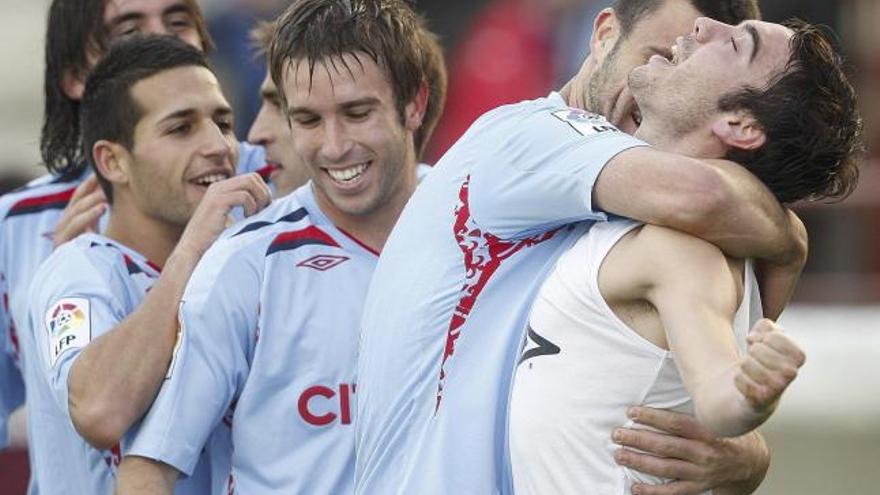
(585, 123)
(68, 326)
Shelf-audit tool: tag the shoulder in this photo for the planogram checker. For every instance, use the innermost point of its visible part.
(681, 263)
(245, 246)
(34, 199)
(82, 266)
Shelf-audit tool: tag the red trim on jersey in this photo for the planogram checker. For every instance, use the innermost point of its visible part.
(358, 242)
(302, 237)
(483, 255)
(50, 201)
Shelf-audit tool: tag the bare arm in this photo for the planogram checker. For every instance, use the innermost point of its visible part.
(778, 281)
(714, 200)
(139, 475)
(116, 377)
(695, 291)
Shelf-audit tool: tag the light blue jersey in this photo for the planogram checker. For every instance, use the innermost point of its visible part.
(84, 289)
(28, 217)
(445, 316)
(269, 324)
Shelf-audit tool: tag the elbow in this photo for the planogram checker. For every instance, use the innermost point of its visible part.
(101, 424)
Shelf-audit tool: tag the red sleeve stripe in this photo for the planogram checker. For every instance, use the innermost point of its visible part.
(298, 238)
(57, 201)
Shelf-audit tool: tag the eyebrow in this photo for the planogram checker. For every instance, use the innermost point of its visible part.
(137, 15)
(190, 112)
(348, 105)
(756, 40)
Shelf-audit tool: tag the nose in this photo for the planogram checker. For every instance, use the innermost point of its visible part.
(336, 143)
(155, 25)
(705, 29)
(259, 132)
(216, 143)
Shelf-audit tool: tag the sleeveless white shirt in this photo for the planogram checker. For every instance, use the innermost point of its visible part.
(580, 370)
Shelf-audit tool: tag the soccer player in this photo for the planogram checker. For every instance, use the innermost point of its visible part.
(102, 310)
(447, 312)
(270, 128)
(33, 220)
(272, 131)
(270, 319)
(641, 314)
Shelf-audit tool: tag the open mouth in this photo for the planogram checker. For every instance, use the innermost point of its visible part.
(349, 175)
(208, 179)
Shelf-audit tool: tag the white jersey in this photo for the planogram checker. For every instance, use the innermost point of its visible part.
(269, 325)
(445, 317)
(84, 289)
(581, 368)
(28, 217)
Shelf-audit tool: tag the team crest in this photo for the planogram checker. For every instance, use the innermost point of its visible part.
(585, 123)
(323, 262)
(69, 326)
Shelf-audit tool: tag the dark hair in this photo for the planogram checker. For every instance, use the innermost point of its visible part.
(630, 12)
(388, 31)
(261, 37)
(75, 30)
(810, 116)
(109, 112)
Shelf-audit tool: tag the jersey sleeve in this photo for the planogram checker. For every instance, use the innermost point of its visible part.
(72, 302)
(218, 318)
(11, 394)
(541, 172)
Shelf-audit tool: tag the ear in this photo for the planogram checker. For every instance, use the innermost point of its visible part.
(73, 83)
(414, 112)
(112, 161)
(605, 32)
(739, 130)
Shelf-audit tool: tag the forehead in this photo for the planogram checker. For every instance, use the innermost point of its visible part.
(673, 18)
(775, 43)
(116, 8)
(182, 88)
(335, 80)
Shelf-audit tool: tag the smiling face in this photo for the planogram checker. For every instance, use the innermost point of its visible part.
(347, 129)
(271, 131)
(183, 142)
(618, 55)
(714, 60)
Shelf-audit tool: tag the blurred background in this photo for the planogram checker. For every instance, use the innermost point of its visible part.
(826, 436)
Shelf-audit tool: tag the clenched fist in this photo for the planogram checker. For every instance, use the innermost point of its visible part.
(770, 365)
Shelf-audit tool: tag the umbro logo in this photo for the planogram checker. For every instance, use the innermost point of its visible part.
(323, 262)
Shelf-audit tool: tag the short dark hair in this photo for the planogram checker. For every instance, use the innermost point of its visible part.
(388, 31)
(630, 12)
(75, 28)
(108, 109)
(810, 116)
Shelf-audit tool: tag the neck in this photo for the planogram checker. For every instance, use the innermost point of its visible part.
(577, 88)
(150, 237)
(700, 143)
(372, 229)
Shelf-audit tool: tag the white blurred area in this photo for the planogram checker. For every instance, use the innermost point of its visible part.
(21, 84)
(825, 437)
